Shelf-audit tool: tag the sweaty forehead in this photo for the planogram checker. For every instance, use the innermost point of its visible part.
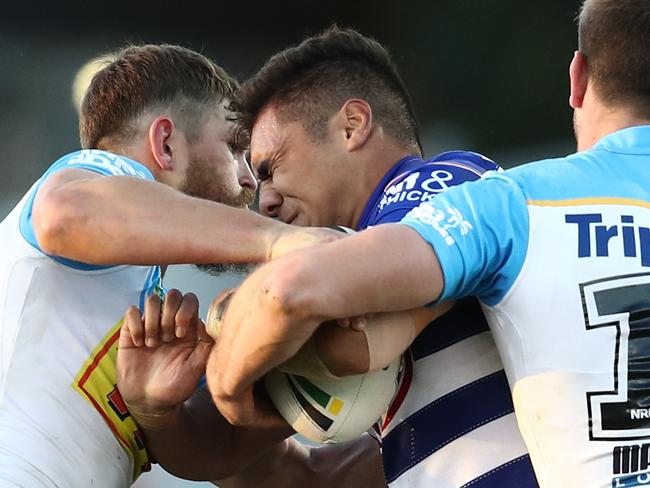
(268, 136)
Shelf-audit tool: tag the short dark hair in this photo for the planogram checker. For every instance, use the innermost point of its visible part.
(139, 78)
(311, 81)
(614, 35)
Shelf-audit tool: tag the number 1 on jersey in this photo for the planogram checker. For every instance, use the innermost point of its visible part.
(622, 302)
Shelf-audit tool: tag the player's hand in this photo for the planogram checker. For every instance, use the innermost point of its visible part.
(303, 237)
(240, 318)
(162, 355)
(253, 408)
(299, 239)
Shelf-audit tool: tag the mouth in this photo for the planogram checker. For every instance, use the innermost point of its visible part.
(290, 220)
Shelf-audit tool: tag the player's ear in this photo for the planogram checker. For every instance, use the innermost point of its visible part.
(160, 132)
(579, 76)
(357, 123)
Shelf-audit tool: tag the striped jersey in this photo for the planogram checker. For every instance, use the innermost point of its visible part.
(62, 421)
(452, 423)
(558, 252)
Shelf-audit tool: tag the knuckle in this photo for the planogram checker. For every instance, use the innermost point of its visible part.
(184, 318)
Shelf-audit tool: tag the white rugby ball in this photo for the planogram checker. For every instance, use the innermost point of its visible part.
(329, 410)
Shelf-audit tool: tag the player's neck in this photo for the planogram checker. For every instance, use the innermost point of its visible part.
(605, 120)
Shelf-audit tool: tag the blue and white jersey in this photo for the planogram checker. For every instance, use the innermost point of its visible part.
(558, 252)
(452, 423)
(62, 420)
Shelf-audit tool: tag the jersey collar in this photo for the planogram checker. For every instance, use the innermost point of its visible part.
(632, 140)
(379, 190)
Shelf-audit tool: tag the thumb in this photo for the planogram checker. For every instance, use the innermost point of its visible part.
(204, 343)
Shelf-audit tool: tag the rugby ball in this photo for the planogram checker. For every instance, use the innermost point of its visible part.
(330, 410)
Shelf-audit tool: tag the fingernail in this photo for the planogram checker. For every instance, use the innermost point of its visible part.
(167, 337)
(180, 332)
(150, 341)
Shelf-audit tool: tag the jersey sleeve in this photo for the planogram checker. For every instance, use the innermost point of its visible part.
(479, 232)
(100, 162)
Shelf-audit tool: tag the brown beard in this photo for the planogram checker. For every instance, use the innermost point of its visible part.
(198, 184)
(230, 268)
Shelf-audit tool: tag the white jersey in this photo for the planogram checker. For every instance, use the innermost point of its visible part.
(559, 254)
(452, 424)
(62, 421)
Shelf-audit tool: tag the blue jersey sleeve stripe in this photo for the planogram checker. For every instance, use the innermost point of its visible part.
(79, 160)
(517, 473)
(465, 320)
(402, 451)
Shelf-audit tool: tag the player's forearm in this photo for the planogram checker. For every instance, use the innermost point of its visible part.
(291, 465)
(385, 337)
(118, 220)
(185, 448)
(248, 356)
(294, 294)
(196, 442)
(255, 337)
(383, 269)
(285, 464)
(351, 464)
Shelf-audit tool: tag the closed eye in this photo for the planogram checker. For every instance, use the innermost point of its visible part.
(263, 171)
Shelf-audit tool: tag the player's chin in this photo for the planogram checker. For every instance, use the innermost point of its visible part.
(245, 199)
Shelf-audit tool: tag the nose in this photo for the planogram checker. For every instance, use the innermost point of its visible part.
(270, 201)
(245, 175)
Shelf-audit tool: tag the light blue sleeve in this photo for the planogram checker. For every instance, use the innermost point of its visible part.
(101, 162)
(479, 231)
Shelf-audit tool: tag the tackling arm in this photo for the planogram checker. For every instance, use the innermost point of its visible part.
(344, 351)
(83, 216)
(291, 465)
(218, 450)
(158, 380)
(280, 306)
